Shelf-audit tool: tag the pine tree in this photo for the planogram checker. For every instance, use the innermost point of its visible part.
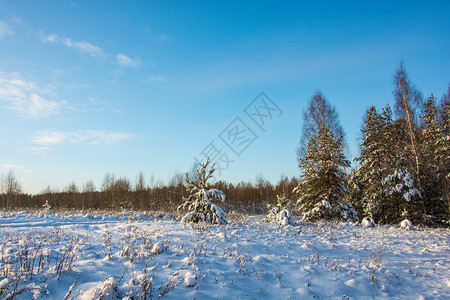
(376, 161)
(444, 112)
(323, 184)
(372, 164)
(443, 148)
(199, 203)
(384, 183)
(431, 141)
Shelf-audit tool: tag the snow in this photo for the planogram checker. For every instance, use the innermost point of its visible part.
(368, 222)
(132, 255)
(157, 248)
(189, 279)
(284, 217)
(406, 184)
(406, 224)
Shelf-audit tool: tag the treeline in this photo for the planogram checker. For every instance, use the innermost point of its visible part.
(121, 193)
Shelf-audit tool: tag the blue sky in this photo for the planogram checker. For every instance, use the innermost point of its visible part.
(91, 87)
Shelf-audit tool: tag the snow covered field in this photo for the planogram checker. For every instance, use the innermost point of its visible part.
(64, 256)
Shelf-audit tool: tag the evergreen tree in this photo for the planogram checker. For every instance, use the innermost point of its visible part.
(431, 142)
(443, 148)
(376, 161)
(444, 112)
(372, 164)
(384, 184)
(280, 213)
(199, 203)
(323, 184)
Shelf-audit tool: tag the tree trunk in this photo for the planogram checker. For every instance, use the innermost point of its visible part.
(412, 137)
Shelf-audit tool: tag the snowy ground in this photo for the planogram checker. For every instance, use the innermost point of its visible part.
(58, 256)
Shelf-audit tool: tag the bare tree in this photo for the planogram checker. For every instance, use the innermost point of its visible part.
(140, 183)
(319, 112)
(444, 112)
(408, 104)
(88, 191)
(71, 194)
(176, 179)
(107, 184)
(121, 194)
(11, 190)
(139, 190)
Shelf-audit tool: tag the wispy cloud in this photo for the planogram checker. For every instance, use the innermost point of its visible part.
(14, 167)
(24, 97)
(88, 48)
(50, 38)
(157, 78)
(39, 149)
(5, 29)
(102, 105)
(79, 137)
(11, 167)
(117, 72)
(7, 26)
(125, 61)
(82, 46)
(85, 47)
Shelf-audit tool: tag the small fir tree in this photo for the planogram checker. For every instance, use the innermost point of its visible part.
(280, 213)
(46, 205)
(199, 203)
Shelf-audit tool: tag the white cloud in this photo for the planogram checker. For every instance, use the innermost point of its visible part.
(7, 26)
(80, 137)
(88, 48)
(125, 61)
(5, 29)
(85, 47)
(51, 38)
(81, 46)
(24, 97)
(157, 78)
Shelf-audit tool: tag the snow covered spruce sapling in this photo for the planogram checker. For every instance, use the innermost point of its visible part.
(199, 202)
(46, 205)
(280, 213)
